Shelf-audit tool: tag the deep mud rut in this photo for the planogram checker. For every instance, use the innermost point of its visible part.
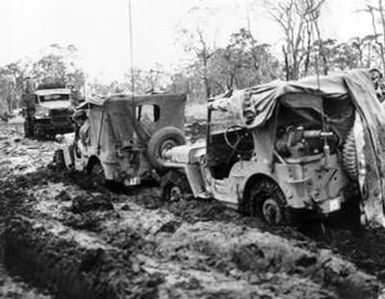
(69, 238)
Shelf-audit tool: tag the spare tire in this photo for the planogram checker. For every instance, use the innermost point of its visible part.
(349, 156)
(165, 138)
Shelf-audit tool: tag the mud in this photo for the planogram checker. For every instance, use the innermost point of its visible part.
(63, 234)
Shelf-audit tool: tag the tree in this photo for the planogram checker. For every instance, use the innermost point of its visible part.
(298, 20)
(242, 63)
(7, 95)
(59, 65)
(376, 10)
(195, 39)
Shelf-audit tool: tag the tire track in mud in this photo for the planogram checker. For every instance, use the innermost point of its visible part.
(189, 259)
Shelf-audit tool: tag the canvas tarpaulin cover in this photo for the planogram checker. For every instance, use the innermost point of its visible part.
(257, 105)
(121, 112)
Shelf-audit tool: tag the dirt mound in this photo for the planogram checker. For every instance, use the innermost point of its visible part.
(93, 201)
(250, 250)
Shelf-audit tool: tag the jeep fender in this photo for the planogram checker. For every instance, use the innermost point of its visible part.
(244, 175)
(110, 169)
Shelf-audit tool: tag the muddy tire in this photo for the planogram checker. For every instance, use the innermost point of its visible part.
(37, 133)
(26, 129)
(166, 138)
(266, 201)
(97, 174)
(349, 156)
(174, 186)
(58, 160)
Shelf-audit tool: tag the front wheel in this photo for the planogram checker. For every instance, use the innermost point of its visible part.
(267, 201)
(174, 186)
(37, 133)
(26, 129)
(58, 159)
(97, 174)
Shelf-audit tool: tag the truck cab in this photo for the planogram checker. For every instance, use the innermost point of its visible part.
(53, 110)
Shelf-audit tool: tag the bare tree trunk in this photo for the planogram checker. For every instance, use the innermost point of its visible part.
(308, 49)
(380, 44)
(287, 67)
(381, 8)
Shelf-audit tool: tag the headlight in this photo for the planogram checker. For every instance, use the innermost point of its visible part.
(42, 112)
(59, 137)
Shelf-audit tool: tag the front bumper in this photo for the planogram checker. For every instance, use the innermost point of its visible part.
(51, 126)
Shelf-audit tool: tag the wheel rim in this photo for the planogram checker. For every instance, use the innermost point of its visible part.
(175, 193)
(167, 145)
(271, 211)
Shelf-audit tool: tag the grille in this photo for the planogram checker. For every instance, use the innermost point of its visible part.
(60, 112)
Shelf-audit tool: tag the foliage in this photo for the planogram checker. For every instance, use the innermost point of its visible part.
(7, 95)
(243, 63)
(59, 66)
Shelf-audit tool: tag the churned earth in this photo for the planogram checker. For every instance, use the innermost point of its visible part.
(62, 236)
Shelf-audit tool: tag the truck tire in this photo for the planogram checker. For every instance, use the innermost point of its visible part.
(26, 129)
(165, 138)
(58, 160)
(349, 156)
(37, 133)
(96, 174)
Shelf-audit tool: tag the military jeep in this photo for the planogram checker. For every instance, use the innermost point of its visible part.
(121, 138)
(284, 147)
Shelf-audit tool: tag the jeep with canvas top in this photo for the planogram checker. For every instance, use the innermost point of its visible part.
(121, 138)
(284, 147)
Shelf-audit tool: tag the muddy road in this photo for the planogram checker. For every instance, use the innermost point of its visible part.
(62, 236)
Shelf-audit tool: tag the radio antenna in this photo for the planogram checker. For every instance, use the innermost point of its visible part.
(131, 53)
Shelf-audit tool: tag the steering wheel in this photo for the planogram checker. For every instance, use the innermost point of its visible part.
(239, 137)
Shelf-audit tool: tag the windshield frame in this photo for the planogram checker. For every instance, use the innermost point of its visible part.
(57, 97)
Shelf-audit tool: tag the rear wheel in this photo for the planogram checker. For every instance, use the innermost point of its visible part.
(267, 201)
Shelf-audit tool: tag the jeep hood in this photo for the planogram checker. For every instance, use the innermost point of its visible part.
(257, 105)
(56, 104)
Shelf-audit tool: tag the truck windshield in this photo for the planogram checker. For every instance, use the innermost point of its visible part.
(54, 97)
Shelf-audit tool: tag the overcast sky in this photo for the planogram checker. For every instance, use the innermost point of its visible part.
(100, 28)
